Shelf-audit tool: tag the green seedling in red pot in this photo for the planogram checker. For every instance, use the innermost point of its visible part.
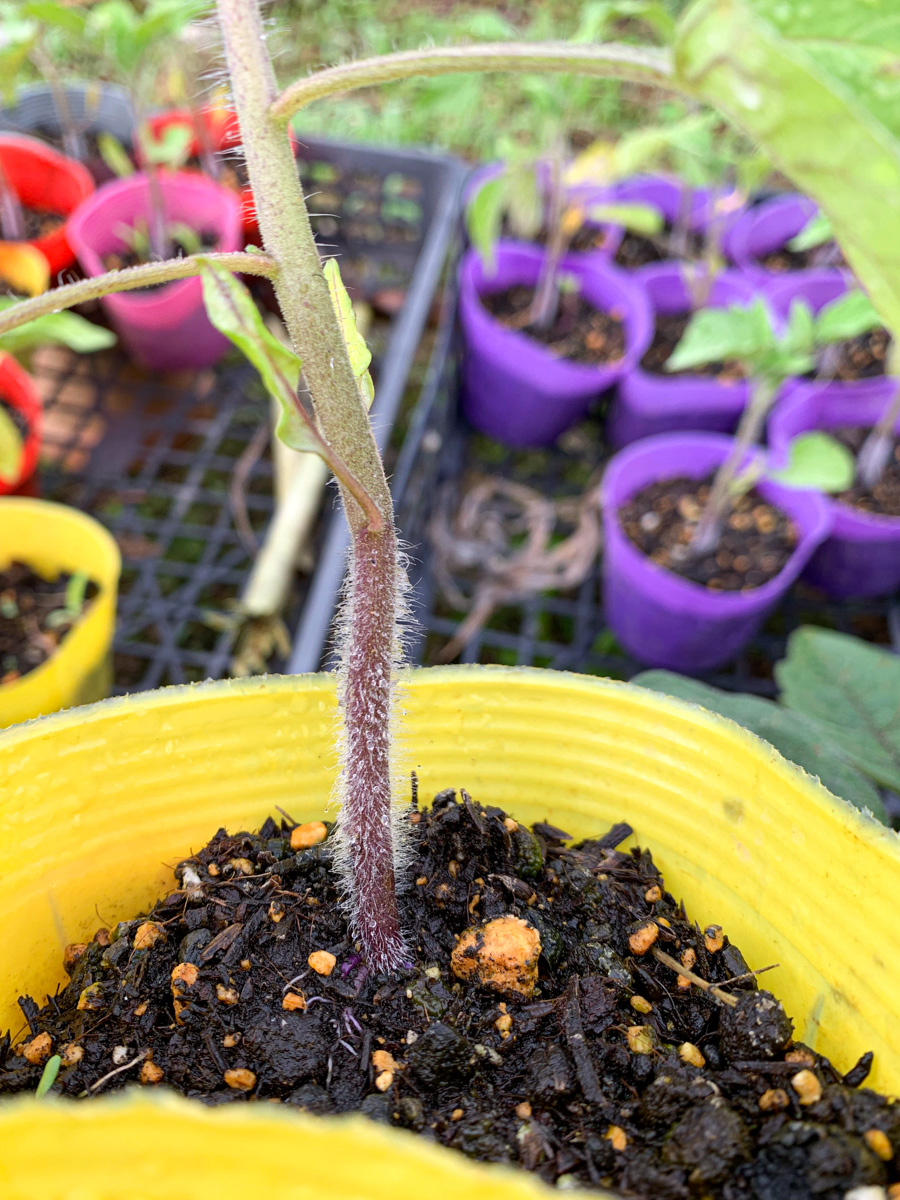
(770, 356)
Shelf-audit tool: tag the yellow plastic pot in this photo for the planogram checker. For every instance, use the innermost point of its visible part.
(99, 803)
(52, 538)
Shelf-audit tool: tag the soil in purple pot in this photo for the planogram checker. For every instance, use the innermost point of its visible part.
(588, 1057)
(861, 357)
(635, 250)
(816, 258)
(580, 332)
(884, 497)
(586, 239)
(756, 542)
(34, 617)
(668, 332)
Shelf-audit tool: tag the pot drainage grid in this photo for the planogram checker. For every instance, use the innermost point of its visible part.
(154, 456)
(562, 630)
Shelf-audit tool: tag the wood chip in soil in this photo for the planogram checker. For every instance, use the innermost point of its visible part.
(756, 542)
(604, 1068)
(668, 332)
(884, 497)
(34, 618)
(580, 332)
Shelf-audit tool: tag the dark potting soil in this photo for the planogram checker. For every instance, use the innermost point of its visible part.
(668, 332)
(817, 257)
(40, 223)
(597, 1062)
(858, 358)
(756, 542)
(580, 332)
(635, 250)
(34, 618)
(884, 497)
(118, 260)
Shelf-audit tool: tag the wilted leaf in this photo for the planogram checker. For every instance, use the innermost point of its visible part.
(358, 352)
(852, 689)
(230, 308)
(817, 461)
(801, 739)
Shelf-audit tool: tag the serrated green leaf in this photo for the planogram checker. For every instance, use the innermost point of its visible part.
(819, 462)
(722, 335)
(637, 218)
(801, 739)
(11, 447)
(484, 217)
(357, 351)
(817, 85)
(847, 317)
(852, 689)
(231, 310)
(816, 232)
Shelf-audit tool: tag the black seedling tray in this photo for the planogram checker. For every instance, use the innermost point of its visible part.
(563, 630)
(154, 456)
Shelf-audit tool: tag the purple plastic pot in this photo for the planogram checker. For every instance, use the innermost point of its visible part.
(166, 329)
(515, 389)
(666, 194)
(666, 621)
(862, 555)
(768, 227)
(817, 288)
(649, 403)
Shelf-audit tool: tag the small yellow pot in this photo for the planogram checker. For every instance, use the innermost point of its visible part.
(52, 538)
(98, 804)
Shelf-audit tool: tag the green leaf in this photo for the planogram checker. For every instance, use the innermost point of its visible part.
(17, 39)
(75, 592)
(816, 232)
(357, 351)
(171, 148)
(67, 328)
(48, 1076)
(638, 218)
(484, 217)
(852, 689)
(114, 154)
(817, 461)
(721, 335)
(801, 739)
(524, 201)
(59, 16)
(230, 308)
(846, 317)
(817, 85)
(11, 447)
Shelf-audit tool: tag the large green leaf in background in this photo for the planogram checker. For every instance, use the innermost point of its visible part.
(852, 689)
(817, 84)
(800, 738)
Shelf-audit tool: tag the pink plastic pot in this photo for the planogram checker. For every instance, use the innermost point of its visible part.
(165, 329)
(861, 556)
(666, 621)
(648, 403)
(19, 391)
(515, 389)
(44, 179)
(768, 227)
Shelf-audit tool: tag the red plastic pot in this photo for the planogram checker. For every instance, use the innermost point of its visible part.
(165, 329)
(224, 134)
(19, 392)
(44, 179)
